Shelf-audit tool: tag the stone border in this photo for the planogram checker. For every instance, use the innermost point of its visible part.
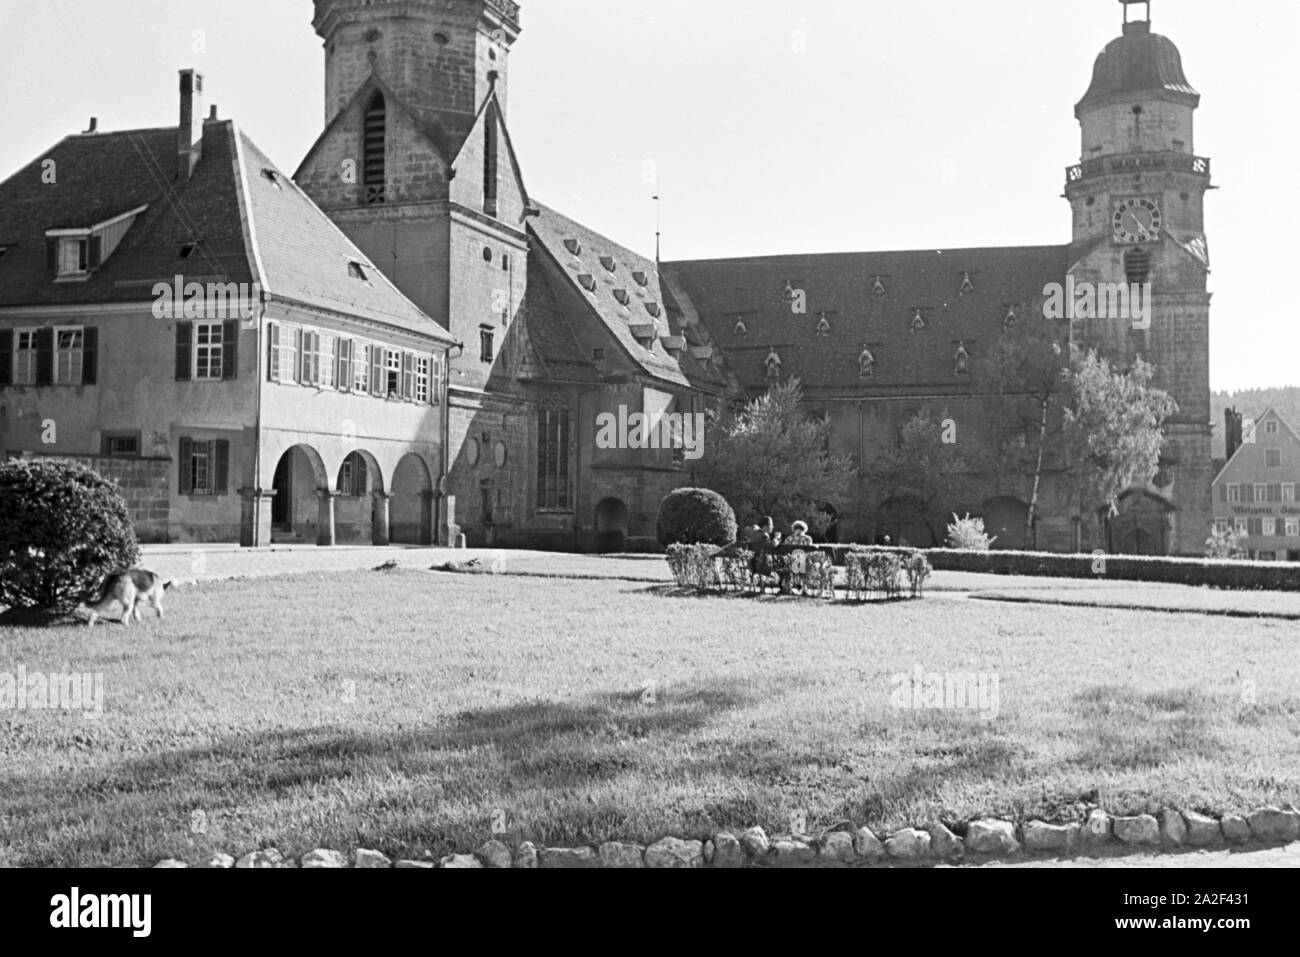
(985, 839)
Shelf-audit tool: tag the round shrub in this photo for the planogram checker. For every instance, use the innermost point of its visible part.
(63, 529)
(696, 516)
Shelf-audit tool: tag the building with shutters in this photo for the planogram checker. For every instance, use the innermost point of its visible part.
(176, 313)
(1257, 493)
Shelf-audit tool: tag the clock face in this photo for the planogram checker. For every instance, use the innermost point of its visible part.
(1136, 220)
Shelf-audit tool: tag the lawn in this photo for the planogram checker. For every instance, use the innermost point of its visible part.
(401, 710)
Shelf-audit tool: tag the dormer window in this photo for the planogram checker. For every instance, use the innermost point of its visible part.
(608, 263)
(357, 271)
(588, 282)
(653, 309)
(573, 246)
(622, 297)
(271, 176)
(74, 254)
(641, 278)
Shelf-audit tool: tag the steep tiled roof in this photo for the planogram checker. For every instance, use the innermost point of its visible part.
(290, 247)
(601, 271)
(867, 299)
(550, 339)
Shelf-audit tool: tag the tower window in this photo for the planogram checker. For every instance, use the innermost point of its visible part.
(490, 136)
(1137, 265)
(373, 145)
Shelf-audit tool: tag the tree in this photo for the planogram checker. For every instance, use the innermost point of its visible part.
(768, 457)
(1113, 428)
(928, 465)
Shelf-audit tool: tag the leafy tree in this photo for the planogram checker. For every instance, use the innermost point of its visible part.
(769, 457)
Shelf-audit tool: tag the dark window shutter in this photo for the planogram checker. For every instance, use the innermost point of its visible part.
(6, 356)
(408, 376)
(378, 372)
(51, 255)
(89, 355)
(299, 360)
(1248, 493)
(343, 375)
(184, 346)
(222, 467)
(44, 356)
(95, 252)
(230, 349)
(185, 457)
(272, 351)
(1223, 493)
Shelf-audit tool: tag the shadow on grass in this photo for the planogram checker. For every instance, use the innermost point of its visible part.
(407, 778)
(41, 618)
(1127, 729)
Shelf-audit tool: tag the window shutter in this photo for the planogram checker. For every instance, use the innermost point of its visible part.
(300, 360)
(343, 374)
(1248, 493)
(272, 351)
(408, 376)
(378, 374)
(1223, 493)
(222, 467)
(6, 356)
(89, 355)
(94, 252)
(184, 347)
(185, 457)
(51, 255)
(45, 356)
(230, 349)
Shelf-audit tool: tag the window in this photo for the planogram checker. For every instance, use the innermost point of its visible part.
(1137, 265)
(361, 367)
(68, 356)
(1273, 458)
(310, 361)
(438, 376)
(207, 350)
(288, 354)
(353, 480)
(554, 492)
(393, 370)
(1222, 525)
(422, 380)
(72, 256)
(1292, 527)
(25, 356)
(408, 376)
(1268, 526)
(1234, 493)
(204, 466)
(1261, 492)
(485, 342)
(597, 353)
(490, 137)
(1239, 526)
(326, 357)
(357, 271)
(1270, 427)
(1288, 492)
(120, 445)
(373, 174)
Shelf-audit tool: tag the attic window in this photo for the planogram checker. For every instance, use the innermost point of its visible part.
(653, 309)
(573, 246)
(373, 151)
(272, 175)
(641, 278)
(608, 263)
(622, 296)
(356, 271)
(588, 282)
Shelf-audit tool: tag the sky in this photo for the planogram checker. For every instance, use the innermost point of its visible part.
(767, 126)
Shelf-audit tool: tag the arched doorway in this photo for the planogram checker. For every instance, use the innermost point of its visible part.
(1004, 519)
(902, 517)
(1142, 526)
(296, 508)
(361, 506)
(611, 526)
(411, 505)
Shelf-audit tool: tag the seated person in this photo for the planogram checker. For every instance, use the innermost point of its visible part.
(799, 535)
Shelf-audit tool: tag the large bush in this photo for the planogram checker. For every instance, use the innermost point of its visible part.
(696, 516)
(63, 528)
(968, 535)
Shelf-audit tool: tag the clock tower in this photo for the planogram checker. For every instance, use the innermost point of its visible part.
(1138, 201)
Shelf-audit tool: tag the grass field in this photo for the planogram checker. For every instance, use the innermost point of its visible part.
(400, 710)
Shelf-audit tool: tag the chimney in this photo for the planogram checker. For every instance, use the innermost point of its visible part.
(212, 114)
(1233, 431)
(189, 137)
(94, 125)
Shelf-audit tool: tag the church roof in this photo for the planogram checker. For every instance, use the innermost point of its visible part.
(1138, 62)
(623, 291)
(871, 300)
(237, 219)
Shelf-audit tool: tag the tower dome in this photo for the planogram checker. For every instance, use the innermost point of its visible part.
(1139, 62)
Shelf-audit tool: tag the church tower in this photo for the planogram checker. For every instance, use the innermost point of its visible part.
(1138, 201)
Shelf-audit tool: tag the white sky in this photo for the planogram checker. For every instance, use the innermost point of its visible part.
(904, 125)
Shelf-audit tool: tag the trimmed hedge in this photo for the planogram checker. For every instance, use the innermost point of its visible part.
(696, 516)
(1212, 573)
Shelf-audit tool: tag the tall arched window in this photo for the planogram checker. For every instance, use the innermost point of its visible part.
(374, 139)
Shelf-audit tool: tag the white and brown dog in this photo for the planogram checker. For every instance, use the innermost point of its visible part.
(127, 591)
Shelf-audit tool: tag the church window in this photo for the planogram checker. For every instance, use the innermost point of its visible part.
(490, 138)
(373, 173)
(554, 490)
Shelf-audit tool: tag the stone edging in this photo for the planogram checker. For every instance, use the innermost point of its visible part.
(984, 839)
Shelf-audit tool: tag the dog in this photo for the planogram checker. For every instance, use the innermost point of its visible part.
(128, 590)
